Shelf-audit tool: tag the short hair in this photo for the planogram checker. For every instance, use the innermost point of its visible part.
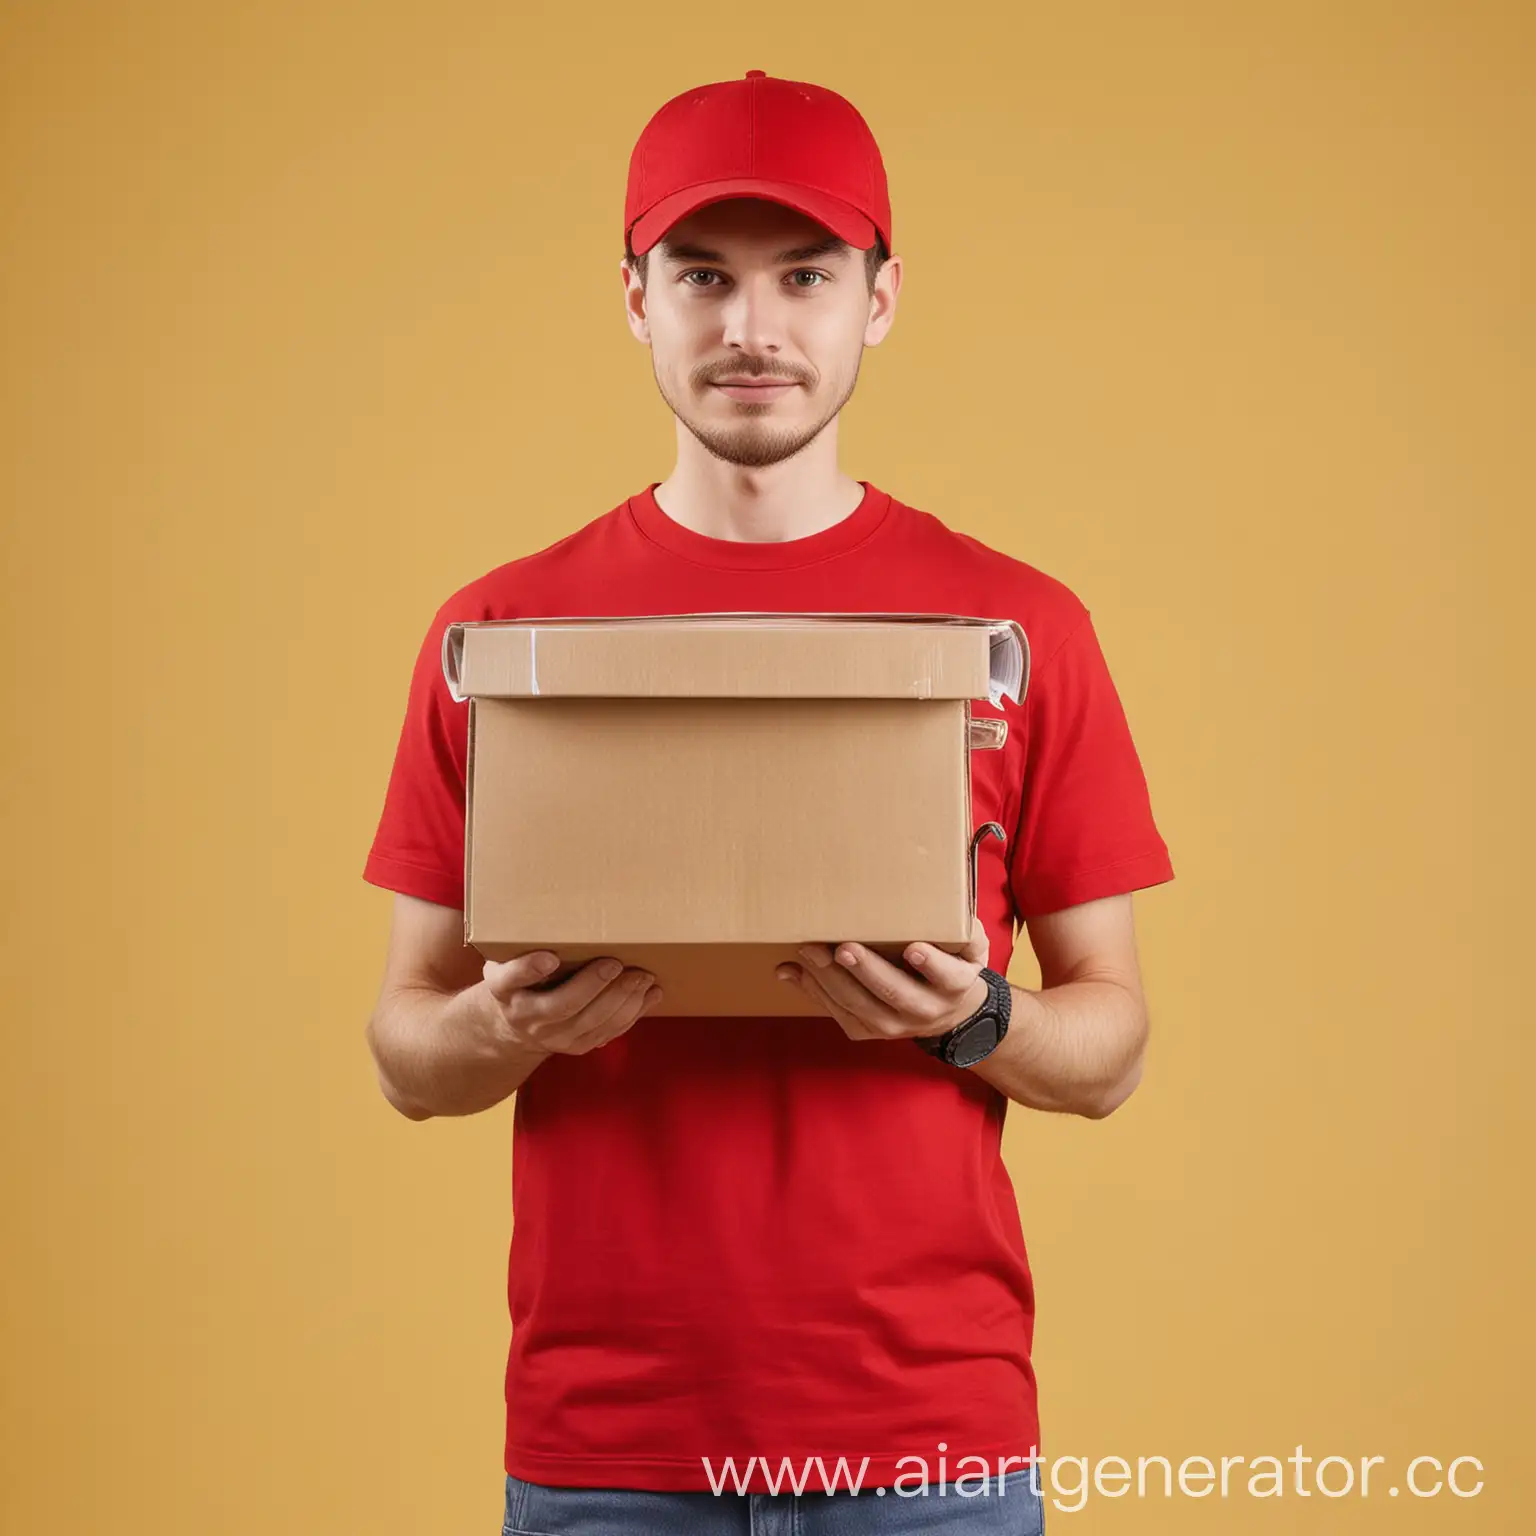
(875, 257)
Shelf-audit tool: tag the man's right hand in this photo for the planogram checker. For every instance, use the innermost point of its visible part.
(589, 1008)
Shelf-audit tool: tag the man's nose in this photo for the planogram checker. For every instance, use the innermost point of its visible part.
(753, 315)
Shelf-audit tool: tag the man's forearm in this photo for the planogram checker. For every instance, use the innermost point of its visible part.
(443, 1053)
(1074, 1048)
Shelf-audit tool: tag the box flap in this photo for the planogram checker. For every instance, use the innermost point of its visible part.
(750, 655)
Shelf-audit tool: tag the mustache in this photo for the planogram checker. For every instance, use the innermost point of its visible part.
(713, 373)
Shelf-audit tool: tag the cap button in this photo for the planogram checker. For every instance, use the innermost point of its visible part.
(757, 74)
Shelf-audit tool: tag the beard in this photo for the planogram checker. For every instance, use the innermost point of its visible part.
(753, 439)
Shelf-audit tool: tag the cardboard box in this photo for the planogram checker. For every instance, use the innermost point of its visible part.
(701, 794)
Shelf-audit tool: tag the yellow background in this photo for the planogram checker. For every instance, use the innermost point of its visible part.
(1220, 313)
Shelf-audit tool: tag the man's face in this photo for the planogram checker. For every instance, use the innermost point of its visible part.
(747, 290)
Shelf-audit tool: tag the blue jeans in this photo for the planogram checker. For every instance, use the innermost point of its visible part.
(1010, 1507)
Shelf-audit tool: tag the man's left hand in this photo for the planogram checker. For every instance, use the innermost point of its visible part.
(872, 999)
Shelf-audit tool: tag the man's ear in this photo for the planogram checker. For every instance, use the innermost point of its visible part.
(634, 302)
(882, 302)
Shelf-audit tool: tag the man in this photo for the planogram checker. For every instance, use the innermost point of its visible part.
(784, 1238)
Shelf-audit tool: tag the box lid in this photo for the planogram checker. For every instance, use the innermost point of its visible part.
(749, 655)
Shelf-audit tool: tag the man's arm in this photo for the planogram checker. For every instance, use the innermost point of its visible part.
(1078, 1043)
(453, 1033)
(436, 1033)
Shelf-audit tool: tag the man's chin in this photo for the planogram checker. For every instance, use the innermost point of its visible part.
(754, 453)
(749, 450)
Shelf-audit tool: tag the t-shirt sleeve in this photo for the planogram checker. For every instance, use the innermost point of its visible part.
(418, 848)
(1085, 826)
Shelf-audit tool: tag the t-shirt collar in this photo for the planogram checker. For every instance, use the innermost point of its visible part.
(756, 555)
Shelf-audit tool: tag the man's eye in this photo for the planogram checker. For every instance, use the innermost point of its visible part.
(799, 272)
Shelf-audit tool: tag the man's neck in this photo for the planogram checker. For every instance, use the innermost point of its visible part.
(789, 500)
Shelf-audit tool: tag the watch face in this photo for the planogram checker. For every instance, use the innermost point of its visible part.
(975, 1041)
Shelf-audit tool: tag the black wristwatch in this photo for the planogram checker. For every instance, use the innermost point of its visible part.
(977, 1037)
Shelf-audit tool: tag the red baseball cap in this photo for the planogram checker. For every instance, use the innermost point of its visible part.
(783, 140)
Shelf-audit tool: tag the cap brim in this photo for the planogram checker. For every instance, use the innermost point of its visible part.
(843, 219)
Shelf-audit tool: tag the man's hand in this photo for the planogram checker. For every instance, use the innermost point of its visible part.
(874, 1000)
(589, 1008)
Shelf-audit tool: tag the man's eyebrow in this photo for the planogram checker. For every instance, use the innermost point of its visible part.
(832, 246)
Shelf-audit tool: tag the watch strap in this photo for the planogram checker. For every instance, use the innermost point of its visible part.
(997, 1007)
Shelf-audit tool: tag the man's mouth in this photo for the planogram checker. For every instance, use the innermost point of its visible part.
(755, 389)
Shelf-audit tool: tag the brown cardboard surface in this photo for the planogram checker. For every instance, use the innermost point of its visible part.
(724, 980)
(730, 980)
(741, 655)
(700, 794)
(753, 819)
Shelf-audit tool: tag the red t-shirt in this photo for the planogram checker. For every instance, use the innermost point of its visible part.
(757, 1237)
